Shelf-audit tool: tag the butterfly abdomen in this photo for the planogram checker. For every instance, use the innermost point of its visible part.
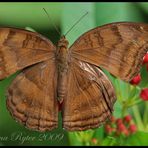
(62, 87)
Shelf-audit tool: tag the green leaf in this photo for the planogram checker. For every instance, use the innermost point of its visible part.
(138, 139)
(74, 140)
(134, 91)
(109, 141)
(111, 77)
(117, 110)
(99, 133)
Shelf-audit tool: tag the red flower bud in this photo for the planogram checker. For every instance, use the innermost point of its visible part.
(132, 128)
(121, 127)
(136, 80)
(94, 141)
(144, 94)
(119, 121)
(145, 59)
(127, 118)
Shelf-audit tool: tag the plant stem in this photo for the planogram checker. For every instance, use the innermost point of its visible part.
(124, 110)
(145, 116)
(138, 117)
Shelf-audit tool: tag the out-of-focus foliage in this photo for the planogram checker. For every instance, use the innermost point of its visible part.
(64, 15)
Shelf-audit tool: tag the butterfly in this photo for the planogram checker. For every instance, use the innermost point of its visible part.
(70, 76)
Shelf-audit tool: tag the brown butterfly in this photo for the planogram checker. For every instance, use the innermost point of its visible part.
(70, 76)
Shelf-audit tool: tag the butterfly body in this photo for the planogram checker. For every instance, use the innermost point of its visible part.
(62, 67)
(70, 75)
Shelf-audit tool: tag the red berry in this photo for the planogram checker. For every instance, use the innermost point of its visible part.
(119, 121)
(132, 128)
(94, 141)
(127, 118)
(145, 59)
(136, 80)
(121, 127)
(144, 94)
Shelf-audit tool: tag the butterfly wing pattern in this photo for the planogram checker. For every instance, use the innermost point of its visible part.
(117, 47)
(90, 97)
(21, 48)
(31, 97)
(73, 77)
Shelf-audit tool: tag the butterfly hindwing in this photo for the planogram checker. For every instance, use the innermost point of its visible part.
(22, 48)
(90, 97)
(117, 47)
(31, 98)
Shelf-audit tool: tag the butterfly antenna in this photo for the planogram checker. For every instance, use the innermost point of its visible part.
(76, 23)
(49, 18)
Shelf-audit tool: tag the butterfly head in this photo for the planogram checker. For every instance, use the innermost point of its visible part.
(63, 42)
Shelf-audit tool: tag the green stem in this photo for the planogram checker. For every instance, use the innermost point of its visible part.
(145, 116)
(134, 103)
(119, 95)
(124, 110)
(138, 117)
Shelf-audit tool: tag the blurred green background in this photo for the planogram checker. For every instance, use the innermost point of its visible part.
(63, 15)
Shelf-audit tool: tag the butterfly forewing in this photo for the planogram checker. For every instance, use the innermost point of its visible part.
(21, 48)
(117, 47)
(90, 97)
(31, 98)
